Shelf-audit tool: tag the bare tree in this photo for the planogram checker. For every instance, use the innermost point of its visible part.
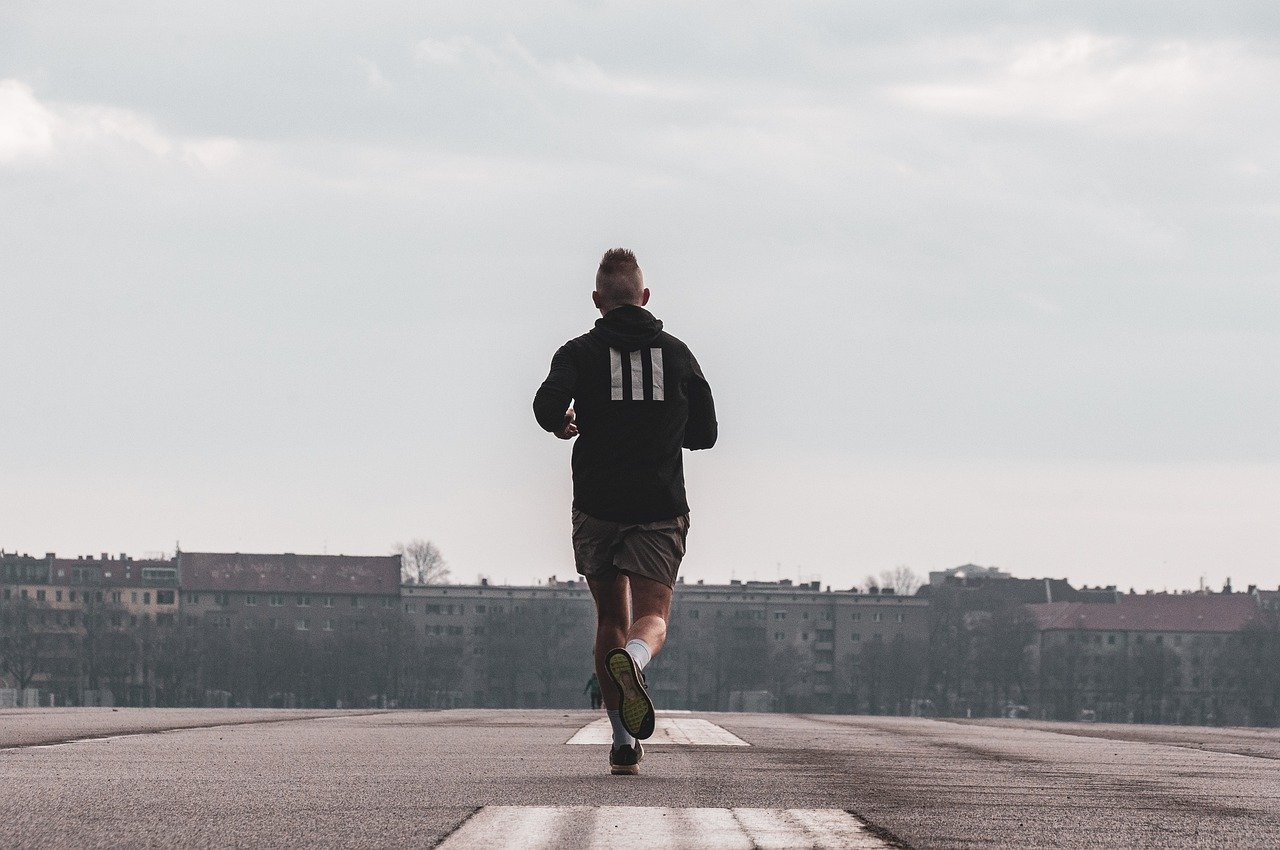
(902, 580)
(421, 562)
(23, 640)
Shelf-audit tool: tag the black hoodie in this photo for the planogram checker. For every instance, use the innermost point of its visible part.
(639, 396)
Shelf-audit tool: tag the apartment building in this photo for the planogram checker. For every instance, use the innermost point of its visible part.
(1152, 657)
(76, 603)
(722, 640)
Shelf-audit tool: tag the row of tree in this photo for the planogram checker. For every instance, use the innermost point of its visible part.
(981, 658)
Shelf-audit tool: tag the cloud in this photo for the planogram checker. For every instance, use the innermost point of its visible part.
(27, 127)
(373, 75)
(455, 50)
(578, 73)
(1082, 77)
(36, 131)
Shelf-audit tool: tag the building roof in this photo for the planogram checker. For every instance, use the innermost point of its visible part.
(122, 572)
(1153, 612)
(289, 573)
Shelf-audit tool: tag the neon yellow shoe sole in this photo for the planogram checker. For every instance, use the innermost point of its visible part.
(637, 708)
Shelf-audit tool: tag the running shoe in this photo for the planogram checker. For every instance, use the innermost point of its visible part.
(623, 760)
(637, 708)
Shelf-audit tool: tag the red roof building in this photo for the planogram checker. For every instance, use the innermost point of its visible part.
(288, 573)
(1154, 657)
(1151, 612)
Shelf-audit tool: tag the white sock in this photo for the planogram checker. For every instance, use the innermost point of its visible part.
(639, 652)
(621, 736)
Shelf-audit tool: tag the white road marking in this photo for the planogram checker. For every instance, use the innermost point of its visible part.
(660, 828)
(667, 730)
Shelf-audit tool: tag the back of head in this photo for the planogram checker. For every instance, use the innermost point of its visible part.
(619, 280)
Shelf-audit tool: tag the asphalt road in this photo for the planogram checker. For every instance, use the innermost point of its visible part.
(337, 779)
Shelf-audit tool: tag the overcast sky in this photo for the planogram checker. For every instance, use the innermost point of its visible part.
(990, 282)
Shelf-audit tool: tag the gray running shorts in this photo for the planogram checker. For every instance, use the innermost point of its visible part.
(602, 548)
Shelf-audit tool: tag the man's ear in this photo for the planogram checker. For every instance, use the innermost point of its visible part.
(644, 297)
(595, 298)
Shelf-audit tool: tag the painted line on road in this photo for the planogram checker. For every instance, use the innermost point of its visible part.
(690, 731)
(661, 828)
(107, 737)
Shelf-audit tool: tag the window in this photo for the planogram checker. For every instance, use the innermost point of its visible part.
(435, 609)
(192, 598)
(857, 615)
(899, 617)
(856, 637)
(57, 596)
(435, 630)
(276, 601)
(328, 625)
(453, 630)
(479, 609)
(71, 597)
(304, 601)
(448, 609)
(222, 599)
(779, 615)
(251, 599)
(115, 620)
(1111, 639)
(478, 630)
(40, 594)
(133, 597)
(164, 619)
(164, 597)
(8, 593)
(146, 597)
(274, 622)
(693, 614)
(779, 635)
(355, 602)
(1159, 640)
(410, 608)
(877, 616)
(303, 625)
(328, 602)
(386, 602)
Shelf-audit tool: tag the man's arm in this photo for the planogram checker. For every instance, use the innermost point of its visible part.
(700, 431)
(551, 403)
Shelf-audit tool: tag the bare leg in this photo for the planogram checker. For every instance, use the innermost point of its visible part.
(650, 610)
(613, 617)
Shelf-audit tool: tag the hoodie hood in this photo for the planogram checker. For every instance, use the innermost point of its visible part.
(627, 328)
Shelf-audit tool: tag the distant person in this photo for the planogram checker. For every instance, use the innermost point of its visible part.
(593, 689)
(634, 396)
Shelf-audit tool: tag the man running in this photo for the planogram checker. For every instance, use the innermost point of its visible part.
(634, 396)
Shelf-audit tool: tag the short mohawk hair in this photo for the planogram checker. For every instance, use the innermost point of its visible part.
(619, 280)
(618, 261)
